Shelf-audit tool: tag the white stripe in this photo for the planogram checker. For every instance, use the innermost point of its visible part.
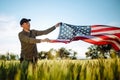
(92, 38)
(63, 39)
(117, 44)
(97, 39)
(113, 36)
(99, 27)
(106, 32)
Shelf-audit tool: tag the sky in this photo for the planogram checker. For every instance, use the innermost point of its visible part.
(46, 13)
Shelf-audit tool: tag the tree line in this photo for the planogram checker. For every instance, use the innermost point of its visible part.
(61, 53)
(9, 56)
(94, 52)
(102, 51)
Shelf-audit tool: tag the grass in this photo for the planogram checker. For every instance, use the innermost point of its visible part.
(101, 69)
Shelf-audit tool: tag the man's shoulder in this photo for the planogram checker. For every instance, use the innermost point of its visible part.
(33, 30)
(20, 32)
(23, 32)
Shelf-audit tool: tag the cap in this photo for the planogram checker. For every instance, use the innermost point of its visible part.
(24, 20)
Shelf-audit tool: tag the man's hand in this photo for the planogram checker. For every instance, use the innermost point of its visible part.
(45, 40)
(58, 24)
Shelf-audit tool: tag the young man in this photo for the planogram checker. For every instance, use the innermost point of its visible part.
(28, 40)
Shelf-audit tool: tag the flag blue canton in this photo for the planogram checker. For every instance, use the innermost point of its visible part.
(68, 31)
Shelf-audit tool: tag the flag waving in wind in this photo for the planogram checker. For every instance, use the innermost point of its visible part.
(95, 34)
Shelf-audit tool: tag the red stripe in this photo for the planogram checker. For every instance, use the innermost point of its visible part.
(118, 35)
(109, 38)
(93, 26)
(90, 40)
(106, 40)
(105, 29)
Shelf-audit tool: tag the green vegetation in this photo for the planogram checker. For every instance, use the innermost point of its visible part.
(9, 56)
(102, 51)
(99, 69)
(61, 53)
(52, 54)
(59, 65)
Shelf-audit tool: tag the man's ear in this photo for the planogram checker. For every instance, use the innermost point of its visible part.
(22, 24)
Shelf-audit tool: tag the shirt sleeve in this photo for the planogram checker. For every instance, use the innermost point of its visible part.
(44, 32)
(27, 39)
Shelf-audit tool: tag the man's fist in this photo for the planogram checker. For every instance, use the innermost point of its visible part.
(58, 24)
(45, 40)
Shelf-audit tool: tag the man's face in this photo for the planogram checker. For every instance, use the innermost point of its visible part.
(26, 26)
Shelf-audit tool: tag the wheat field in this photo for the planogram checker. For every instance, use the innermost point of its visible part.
(99, 69)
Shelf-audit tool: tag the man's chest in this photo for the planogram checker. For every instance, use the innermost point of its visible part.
(30, 34)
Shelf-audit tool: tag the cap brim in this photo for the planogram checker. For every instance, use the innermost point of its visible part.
(29, 19)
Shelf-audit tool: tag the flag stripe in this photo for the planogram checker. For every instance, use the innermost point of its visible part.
(97, 27)
(105, 37)
(115, 37)
(104, 29)
(100, 41)
(106, 32)
(100, 38)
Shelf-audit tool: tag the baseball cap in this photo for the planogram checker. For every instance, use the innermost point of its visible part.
(24, 20)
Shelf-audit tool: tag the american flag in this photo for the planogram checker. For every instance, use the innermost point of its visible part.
(95, 34)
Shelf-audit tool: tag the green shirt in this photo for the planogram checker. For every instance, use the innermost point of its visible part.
(28, 42)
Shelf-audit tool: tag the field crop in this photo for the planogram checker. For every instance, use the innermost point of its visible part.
(99, 69)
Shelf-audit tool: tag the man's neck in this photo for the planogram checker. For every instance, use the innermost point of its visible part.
(26, 30)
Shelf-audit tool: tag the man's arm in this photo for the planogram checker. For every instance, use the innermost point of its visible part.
(27, 39)
(44, 32)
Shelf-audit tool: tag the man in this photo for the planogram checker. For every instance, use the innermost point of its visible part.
(28, 40)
